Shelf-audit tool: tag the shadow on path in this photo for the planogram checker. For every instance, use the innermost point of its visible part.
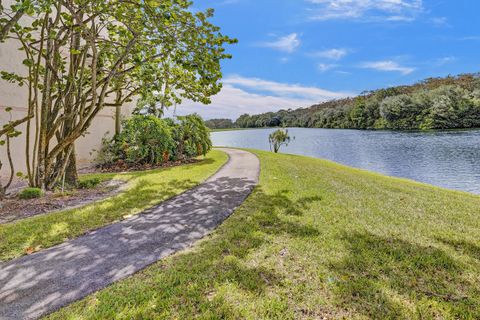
(34, 285)
(192, 283)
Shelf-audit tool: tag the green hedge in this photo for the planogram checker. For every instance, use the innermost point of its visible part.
(146, 139)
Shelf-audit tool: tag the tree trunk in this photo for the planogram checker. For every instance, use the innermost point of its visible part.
(118, 113)
(71, 173)
(44, 115)
(2, 189)
(118, 120)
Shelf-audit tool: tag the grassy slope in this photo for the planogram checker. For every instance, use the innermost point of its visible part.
(145, 189)
(317, 239)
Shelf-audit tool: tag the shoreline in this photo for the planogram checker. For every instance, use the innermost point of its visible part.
(350, 129)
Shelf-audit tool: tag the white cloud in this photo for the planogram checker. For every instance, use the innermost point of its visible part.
(387, 65)
(288, 43)
(240, 95)
(333, 54)
(439, 21)
(227, 2)
(393, 10)
(323, 67)
(446, 60)
(400, 18)
(283, 89)
(470, 38)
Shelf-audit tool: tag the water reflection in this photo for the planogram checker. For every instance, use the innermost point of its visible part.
(447, 159)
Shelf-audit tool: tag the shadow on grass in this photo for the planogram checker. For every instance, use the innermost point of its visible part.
(464, 247)
(188, 283)
(381, 277)
(56, 227)
(132, 175)
(185, 166)
(223, 260)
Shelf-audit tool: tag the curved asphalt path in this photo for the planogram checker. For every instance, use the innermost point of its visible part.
(41, 283)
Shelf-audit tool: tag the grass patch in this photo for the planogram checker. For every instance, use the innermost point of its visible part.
(89, 183)
(316, 240)
(145, 189)
(30, 193)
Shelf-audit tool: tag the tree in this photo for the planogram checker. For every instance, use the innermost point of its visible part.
(83, 56)
(145, 140)
(219, 123)
(279, 138)
(451, 107)
(243, 121)
(400, 112)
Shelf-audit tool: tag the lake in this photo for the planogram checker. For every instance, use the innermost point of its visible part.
(449, 159)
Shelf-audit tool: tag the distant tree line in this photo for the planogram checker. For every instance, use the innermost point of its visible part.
(220, 124)
(435, 103)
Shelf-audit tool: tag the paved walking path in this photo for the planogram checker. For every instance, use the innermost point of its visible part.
(38, 284)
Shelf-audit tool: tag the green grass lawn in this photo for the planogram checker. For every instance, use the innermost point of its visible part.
(144, 190)
(316, 240)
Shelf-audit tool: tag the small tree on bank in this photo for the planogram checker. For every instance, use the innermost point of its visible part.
(278, 139)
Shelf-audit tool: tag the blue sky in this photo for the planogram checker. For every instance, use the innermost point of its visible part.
(293, 53)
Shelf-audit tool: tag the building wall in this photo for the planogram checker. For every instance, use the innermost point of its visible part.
(103, 125)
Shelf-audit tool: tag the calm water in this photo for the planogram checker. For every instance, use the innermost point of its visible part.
(446, 159)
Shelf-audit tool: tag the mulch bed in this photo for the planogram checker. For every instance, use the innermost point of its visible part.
(13, 208)
(122, 166)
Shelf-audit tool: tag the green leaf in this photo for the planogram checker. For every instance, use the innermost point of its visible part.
(28, 62)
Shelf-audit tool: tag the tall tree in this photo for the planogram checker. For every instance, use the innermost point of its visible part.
(83, 56)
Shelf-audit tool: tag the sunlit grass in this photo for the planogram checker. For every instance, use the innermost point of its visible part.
(317, 240)
(144, 190)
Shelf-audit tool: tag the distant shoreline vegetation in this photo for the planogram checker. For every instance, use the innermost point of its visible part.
(432, 104)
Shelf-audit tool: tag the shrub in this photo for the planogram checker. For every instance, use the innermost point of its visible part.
(150, 140)
(192, 137)
(30, 193)
(145, 140)
(89, 183)
(109, 152)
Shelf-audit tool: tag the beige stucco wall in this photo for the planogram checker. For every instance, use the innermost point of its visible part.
(85, 146)
(11, 95)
